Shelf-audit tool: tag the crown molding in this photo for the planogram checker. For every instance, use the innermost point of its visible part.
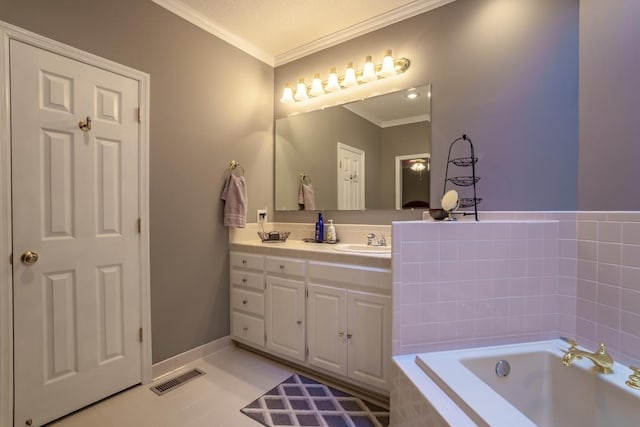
(391, 17)
(198, 19)
(396, 15)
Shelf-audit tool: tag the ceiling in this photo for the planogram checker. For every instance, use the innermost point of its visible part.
(280, 31)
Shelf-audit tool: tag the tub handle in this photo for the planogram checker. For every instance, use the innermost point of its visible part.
(634, 378)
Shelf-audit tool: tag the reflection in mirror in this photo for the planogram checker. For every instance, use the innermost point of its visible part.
(344, 157)
(412, 181)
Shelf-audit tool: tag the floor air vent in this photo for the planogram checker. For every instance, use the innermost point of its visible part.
(176, 382)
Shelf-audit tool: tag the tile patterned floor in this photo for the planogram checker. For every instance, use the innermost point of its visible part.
(301, 401)
(233, 378)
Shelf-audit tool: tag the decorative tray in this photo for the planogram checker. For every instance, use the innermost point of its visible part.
(467, 202)
(464, 181)
(273, 236)
(464, 161)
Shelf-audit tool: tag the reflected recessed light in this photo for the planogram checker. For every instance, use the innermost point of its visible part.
(412, 95)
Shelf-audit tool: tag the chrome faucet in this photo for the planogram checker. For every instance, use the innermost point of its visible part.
(373, 240)
(601, 359)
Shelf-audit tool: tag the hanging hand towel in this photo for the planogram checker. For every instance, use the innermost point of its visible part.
(234, 194)
(306, 196)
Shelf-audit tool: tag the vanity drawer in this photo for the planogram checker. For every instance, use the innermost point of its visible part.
(245, 278)
(289, 266)
(250, 261)
(250, 301)
(248, 328)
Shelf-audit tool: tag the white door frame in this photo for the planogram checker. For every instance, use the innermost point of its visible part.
(9, 32)
(399, 160)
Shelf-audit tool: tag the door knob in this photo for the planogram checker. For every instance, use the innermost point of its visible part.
(29, 257)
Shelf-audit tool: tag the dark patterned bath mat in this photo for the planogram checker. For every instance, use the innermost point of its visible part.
(300, 401)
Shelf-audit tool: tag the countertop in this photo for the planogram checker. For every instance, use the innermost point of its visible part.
(313, 251)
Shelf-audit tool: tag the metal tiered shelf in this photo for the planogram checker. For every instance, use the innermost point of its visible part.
(464, 180)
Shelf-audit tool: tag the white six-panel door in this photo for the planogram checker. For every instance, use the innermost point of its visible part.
(75, 204)
(351, 188)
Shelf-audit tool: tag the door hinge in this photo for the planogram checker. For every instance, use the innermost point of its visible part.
(307, 292)
(139, 225)
(140, 334)
(265, 338)
(307, 351)
(139, 115)
(11, 258)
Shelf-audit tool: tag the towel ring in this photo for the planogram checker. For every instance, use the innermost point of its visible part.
(235, 167)
(306, 179)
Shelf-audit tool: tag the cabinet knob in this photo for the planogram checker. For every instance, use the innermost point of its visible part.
(244, 262)
(244, 301)
(349, 336)
(245, 328)
(299, 322)
(281, 266)
(244, 280)
(340, 334)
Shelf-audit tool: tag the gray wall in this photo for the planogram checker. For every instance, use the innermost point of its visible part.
(503, 71)
(609, 167)
(210, 103)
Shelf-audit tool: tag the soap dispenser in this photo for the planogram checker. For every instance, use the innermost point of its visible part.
(331, 232)
(319, 229)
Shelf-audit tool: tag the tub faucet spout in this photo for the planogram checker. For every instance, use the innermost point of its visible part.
(603, 362)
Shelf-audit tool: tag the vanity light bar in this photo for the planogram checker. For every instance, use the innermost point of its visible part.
(351, 78)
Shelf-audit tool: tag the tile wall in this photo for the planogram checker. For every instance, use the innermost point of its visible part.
(496, 281)
(608, 291)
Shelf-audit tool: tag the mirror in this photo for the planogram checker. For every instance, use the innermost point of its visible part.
(412, 181)
(346, 157)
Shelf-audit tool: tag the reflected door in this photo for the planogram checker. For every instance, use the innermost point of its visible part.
(75, 204)
(350, 178)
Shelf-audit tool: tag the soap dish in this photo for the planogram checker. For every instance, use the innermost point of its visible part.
(273, 236)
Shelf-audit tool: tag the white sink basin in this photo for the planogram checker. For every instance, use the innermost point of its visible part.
(362, 248)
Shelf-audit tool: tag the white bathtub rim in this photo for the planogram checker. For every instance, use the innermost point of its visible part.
(445, 368)
(448, 410)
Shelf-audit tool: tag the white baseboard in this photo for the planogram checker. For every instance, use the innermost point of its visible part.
(176, 362)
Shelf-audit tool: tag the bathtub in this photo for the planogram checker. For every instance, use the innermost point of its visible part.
(539, 390)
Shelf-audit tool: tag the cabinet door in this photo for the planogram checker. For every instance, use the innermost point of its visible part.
(369, 347)
(327, 328)
(284, 315)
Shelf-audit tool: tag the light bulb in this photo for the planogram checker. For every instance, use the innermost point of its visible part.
(301, 91)
(369, 72)
(316, 86)
(388, 66)
(332, 83)
(418, 167)
(349, 76)
(287, 95)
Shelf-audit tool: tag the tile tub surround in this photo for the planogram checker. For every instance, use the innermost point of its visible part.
(608, 283)
(509, 278)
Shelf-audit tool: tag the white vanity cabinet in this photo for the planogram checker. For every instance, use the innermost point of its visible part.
(285, 322)
(285, 306)
(349, 321)
(334, 318)
(247, 298)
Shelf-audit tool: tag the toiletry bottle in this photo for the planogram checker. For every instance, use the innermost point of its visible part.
(319, 229)
(331, 232)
